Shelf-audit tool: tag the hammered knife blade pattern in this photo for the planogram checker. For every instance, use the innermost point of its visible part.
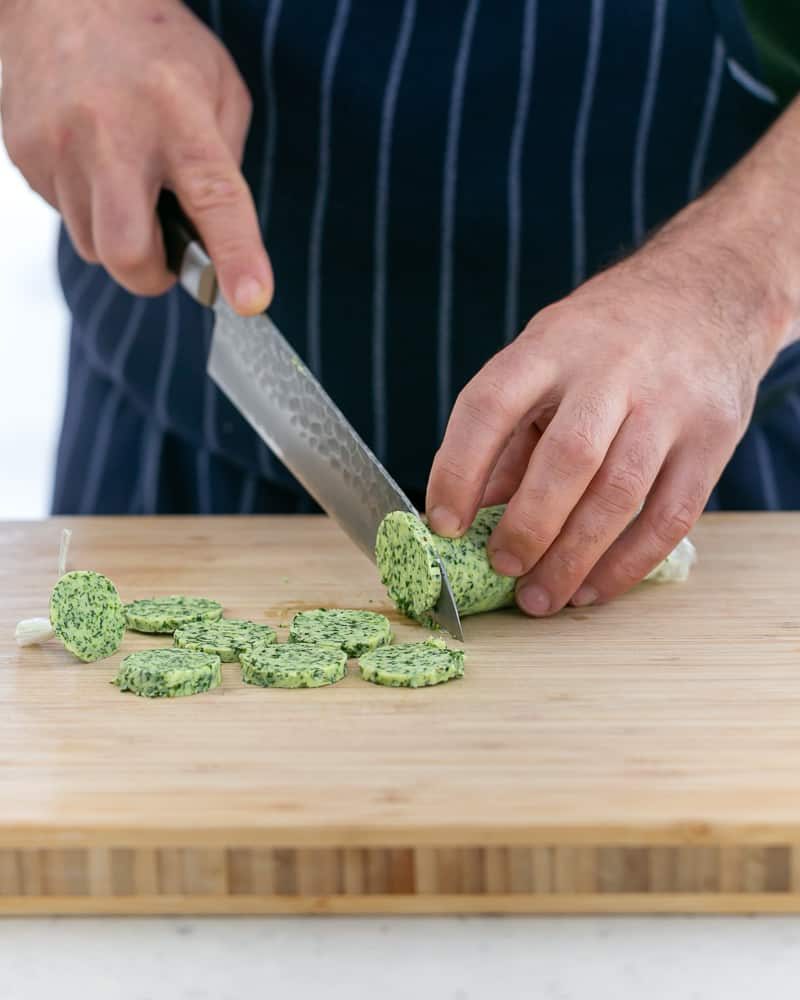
(268, 382)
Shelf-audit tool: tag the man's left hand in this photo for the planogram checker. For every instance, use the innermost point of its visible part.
(634, 390)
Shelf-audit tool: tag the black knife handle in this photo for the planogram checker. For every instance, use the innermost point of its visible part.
(186, 255)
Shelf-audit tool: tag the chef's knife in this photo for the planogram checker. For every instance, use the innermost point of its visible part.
(264, 377)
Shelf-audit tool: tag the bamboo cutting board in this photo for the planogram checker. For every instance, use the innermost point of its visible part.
(643, 756)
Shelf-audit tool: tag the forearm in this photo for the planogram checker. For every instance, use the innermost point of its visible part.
(752, 221)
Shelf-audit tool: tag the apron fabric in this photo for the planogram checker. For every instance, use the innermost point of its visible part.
(427, 178)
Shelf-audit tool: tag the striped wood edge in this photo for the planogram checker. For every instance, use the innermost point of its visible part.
(559, 879)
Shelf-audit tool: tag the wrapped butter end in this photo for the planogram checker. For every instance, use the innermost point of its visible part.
(32, 631)
(677, 566)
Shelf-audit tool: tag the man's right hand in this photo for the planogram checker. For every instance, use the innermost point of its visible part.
(104, 103)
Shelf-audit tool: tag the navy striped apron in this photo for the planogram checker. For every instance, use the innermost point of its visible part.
(428, 176)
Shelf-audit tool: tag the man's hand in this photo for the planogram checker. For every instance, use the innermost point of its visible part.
(633, 390)
(105, 102)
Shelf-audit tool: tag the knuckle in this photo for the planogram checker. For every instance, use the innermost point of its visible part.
(481, 402)
(450, 466)
(671, 522)
(546, 317)
(573, 449)
(567, 562)
(719, 408)
(189, 153)
(528, 535)
(83, 114)
(627, 573)
(164, 82)
(127, 258)
(206, 189)
(725, 417)
(622, 489)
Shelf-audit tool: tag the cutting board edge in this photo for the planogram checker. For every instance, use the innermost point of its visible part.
(574, 903)
(688, 833)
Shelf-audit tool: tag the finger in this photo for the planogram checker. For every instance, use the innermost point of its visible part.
(607, 507)
(73, 200)
(125, 230)
(510, 468)
(215, 196)
(485, 415)
(676, 501)
(564, 462)
(234, 112)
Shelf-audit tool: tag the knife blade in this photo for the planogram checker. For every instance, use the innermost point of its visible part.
(267, 381)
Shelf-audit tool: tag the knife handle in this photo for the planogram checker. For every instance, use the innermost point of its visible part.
(186, 255)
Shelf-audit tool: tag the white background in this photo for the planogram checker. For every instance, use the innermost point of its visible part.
(33, 340)
(657, 958)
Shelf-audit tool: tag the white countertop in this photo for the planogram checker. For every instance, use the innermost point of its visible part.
(345, 958)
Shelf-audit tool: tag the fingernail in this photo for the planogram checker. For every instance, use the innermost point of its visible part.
(250, 296)
(534, 600)
(506, 564)
(584, 596)
(445, 521)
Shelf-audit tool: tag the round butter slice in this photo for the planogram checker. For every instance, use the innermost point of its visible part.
(293, 665)
(166, 614)
(87, 615)
(412, 664)
(168, 673)
(355, 632)
(226, 637)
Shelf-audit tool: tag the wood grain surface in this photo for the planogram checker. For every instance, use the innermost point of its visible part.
(643, 755)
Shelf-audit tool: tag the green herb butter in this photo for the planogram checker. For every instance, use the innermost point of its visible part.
(412, 664)
(166, 614)
(406, 559)
(168, 673)
(226, 637)
(355, 632)
(87, 615)
(406, 553)
(293, 665)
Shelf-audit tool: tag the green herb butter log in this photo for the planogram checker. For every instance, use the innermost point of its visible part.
(406, 551)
